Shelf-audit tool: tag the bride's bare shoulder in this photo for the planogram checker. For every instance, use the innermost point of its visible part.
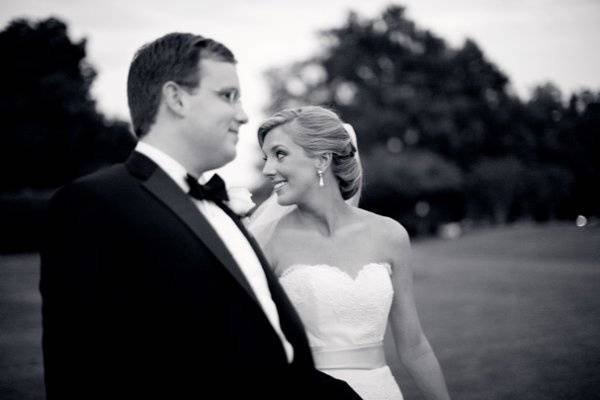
(386, 229)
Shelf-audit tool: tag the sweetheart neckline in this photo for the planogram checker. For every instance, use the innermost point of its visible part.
(294, 267)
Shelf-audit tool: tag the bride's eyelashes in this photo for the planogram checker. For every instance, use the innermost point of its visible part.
(279, 154)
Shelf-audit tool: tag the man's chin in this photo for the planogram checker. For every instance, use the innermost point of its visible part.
(222, 161)
(230, 156)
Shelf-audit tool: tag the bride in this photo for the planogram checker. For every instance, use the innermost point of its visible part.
(346, 270)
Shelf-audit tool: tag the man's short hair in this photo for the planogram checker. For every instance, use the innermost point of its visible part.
(174, 57)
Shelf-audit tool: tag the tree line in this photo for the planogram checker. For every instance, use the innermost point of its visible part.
(52, 131)
(442, 134)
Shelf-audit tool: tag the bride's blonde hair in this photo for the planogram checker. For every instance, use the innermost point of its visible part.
(319, 131)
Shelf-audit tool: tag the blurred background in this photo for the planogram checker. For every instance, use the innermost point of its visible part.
(478, 125)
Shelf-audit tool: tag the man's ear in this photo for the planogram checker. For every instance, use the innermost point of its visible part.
(323, 161)
(173, 97)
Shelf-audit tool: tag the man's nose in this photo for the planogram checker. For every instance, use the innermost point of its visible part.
(241, 115)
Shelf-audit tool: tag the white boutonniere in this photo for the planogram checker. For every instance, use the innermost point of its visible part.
(240, 200)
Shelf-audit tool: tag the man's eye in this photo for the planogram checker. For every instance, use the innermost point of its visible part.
(280, 155)
(231, 96)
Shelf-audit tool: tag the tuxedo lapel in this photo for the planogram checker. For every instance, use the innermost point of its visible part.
(157, 182)
(255, 246)
(290, 321)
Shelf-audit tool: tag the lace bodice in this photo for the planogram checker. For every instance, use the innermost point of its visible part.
(340, 311)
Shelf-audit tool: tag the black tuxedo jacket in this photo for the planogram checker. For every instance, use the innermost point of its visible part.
(141, 298)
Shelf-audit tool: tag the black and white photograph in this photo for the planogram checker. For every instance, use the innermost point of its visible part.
(345, 200)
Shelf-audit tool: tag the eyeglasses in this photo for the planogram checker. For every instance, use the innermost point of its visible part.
(231, 95)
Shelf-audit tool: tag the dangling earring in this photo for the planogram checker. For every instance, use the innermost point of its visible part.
(320, 173)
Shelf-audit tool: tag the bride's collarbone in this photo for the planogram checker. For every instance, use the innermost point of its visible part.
(351, 225)
(347, 233)
(319, 244)
(349, 249)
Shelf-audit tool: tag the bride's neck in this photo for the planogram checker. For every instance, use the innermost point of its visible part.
(324, 213)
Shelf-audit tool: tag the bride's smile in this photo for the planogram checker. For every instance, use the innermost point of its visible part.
(280, 185)
(288, 166)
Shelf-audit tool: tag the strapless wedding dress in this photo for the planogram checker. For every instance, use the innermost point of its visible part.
(345, 318)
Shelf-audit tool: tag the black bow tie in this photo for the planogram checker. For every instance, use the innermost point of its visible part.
(213, 190)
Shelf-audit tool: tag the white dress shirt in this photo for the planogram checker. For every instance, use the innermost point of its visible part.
(232, 237)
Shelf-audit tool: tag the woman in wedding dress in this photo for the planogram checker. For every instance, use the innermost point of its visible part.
(346, 270)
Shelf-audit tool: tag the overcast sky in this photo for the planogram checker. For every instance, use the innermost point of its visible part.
(532, 41)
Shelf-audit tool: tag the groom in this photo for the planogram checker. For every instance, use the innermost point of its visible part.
(151, 286)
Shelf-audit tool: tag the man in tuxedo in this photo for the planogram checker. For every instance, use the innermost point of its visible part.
(151, 286)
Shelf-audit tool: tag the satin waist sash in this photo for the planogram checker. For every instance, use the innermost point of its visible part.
(363, 357)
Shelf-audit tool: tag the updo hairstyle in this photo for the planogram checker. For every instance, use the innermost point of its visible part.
(319, 131)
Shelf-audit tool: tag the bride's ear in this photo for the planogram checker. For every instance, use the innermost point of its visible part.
(323, 161)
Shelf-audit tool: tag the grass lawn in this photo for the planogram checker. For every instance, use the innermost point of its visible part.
(20, 329)
(512, 313)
